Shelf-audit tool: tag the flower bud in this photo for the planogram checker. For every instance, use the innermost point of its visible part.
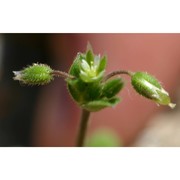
(149, 87)
(92, 67)
(37, 74)
(87, 88)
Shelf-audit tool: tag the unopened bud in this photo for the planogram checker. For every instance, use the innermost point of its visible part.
(149, 87)
(37, 74)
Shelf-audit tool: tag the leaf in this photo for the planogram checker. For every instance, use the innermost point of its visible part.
(100, 104)
(90, 57)
(102, 64)
(93, 92)
(73, 90)
(112, 87)
(75, 67)
(114, 101)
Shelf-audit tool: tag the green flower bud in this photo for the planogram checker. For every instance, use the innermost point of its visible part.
(92, 67)
(88, 88)
(37, 74)
(149, 87)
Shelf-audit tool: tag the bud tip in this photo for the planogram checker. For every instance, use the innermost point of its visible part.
(171, 105)
(17, 75)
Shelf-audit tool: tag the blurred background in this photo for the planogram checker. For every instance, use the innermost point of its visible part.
(47, 116)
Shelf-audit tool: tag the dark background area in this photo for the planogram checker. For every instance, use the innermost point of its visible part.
(17, 102)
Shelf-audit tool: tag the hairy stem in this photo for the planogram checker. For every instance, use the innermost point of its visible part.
(82, 128)
(62, 74)
(114, 73)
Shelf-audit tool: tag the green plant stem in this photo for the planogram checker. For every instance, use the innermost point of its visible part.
(82, 128)
(114, 73)
(62, 74)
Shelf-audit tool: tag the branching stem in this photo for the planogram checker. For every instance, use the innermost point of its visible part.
(114, 73)
(62, 74)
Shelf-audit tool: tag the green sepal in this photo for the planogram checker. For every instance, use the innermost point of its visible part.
(112, 87)
(102, 64)
(83, 92)
(93, 92)
(74, 90)
(75, 67)
(100, 104)
(163, 98)
(89, 57)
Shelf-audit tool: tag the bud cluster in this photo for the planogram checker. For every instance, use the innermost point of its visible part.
(88, 88)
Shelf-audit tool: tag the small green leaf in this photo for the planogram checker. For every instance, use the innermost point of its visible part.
(112, 87)
(100, 104)
(93, 92)
(114, 101)
(75, 67)
(102, 64)
(90, 57)
(96, 105)
(74, 91)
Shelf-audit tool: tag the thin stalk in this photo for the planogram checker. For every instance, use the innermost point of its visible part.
(82, 128)
(114, 73)
(62, 74)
